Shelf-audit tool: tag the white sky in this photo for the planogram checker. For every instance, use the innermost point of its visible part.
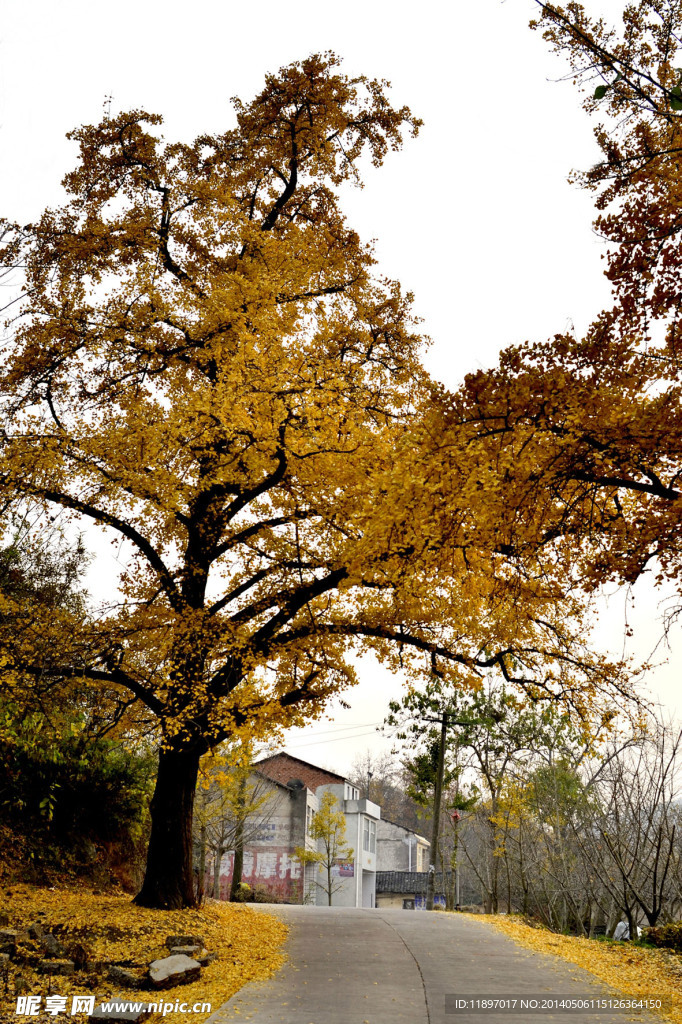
(474, 216)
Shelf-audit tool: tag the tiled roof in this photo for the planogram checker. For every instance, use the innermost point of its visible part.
(284, 767)
(408, 882)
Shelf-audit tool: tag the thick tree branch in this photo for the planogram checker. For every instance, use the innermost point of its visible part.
(249, 495)
(628, 71)
(255, 528)
(236, 592)
(116, 676)
(292, 605)
(656, 489)
(125, 529)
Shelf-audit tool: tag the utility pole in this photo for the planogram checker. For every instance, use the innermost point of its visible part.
(438, 790)
(445, 720)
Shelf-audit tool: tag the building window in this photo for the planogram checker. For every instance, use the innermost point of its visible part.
(369, 835)
(309, 815)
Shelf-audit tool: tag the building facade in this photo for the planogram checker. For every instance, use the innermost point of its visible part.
(407, 890)
(400, 848)
(269, 861)
(294, 789)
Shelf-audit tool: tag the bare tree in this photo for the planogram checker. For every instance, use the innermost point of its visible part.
(232, 805)
(587, 841)
(635, 835)
(382, 778)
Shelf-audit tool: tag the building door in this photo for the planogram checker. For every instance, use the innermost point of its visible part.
(369, 879)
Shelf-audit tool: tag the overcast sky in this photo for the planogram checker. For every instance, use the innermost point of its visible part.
(475, 216)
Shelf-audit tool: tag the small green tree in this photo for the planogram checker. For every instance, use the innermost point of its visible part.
(328, 828)
(502, 731)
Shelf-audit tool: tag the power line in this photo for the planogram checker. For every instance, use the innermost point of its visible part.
(336, 739)
(343, 728)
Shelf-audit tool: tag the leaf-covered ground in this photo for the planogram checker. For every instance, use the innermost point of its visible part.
(630, 970)
(111, 928)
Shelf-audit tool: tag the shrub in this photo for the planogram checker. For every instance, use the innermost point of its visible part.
(263, 895)
(243, 893)
(72, 795)
(668, 936)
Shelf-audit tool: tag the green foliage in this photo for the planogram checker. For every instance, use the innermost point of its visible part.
(40, 587)
(422, 770)
(70, 792)
(557, 794)
(71, 789)
(45, 571)
(499, 726)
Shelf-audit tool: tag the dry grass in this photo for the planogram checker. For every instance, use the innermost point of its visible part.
(111, 928)
(629, 970)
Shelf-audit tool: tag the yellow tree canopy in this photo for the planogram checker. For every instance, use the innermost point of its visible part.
(206, 363)
(591, 428)
(632, 80)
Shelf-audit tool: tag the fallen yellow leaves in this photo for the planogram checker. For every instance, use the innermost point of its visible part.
(630, 970)
(111, 928)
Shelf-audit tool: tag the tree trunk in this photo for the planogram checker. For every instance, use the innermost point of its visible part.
(168, 881)
(217, 862)
(613, 919)
(202, 865)
(494, 859)
(631, 922)
(238, 865)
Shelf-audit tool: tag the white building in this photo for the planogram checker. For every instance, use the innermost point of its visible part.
(270, 862)
(400, 848)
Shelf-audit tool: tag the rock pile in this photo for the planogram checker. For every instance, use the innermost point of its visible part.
(37, 948)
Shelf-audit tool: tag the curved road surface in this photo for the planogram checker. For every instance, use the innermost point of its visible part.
(349, 966)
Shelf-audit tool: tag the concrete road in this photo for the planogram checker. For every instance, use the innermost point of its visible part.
(350, 966)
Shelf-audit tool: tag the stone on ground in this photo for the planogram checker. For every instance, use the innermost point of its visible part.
(185, 940)
(173, 970)
(63, 967)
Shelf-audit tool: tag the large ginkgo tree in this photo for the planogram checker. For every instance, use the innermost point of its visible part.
(206, 364)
